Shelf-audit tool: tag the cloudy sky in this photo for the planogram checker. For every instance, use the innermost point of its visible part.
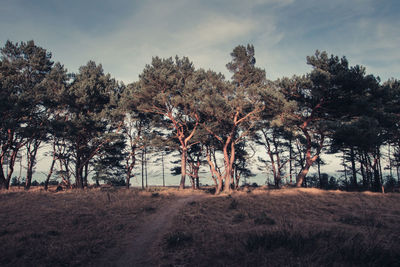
(123, 35)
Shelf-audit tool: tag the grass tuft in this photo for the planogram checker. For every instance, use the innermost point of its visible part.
(177, 239)
(264, 219)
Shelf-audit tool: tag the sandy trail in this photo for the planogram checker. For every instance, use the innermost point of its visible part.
(143, 245)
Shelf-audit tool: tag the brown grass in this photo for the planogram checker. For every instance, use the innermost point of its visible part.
(74, 227)
(289, 227)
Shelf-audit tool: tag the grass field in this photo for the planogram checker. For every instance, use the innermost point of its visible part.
(260, 227)
(68, 228)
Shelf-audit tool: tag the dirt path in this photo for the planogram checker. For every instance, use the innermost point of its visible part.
(143, 245)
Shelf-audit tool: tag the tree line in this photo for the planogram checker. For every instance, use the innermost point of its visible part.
(94, 126)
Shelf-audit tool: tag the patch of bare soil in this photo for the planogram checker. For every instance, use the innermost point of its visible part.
(142, 246)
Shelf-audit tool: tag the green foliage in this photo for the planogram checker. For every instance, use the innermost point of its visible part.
(23, 68)
(98, 125)
(14, 181)
(90, 124)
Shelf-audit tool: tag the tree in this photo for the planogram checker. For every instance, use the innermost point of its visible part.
(195, 154)
(23, 67)
(166, 88)
(230, 110)
(90, 122)
(56, 84)
(276, 142)
(324, 96)
(391, 104)
(359, 128)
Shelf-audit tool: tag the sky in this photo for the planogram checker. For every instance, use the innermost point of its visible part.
(123, 35)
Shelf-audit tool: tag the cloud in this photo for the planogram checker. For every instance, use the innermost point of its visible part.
(124, 35)
(215, 30)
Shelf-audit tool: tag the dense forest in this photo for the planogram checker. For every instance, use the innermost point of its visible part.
(95, 127)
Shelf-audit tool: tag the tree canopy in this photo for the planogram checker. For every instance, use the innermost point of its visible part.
(96, 126)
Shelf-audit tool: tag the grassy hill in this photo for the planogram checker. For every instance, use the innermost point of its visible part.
(253, 227)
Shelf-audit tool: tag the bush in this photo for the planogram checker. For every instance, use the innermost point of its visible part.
(115, 181)
(390, 183)
(53, 182)
(14, 181)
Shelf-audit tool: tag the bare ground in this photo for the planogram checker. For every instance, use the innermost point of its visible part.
(142, 246)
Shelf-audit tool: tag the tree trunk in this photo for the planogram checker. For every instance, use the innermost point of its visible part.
(278, 176)
(302, 175)
(193, 182)
(214, 173)
(79, 171)
(197, 181)
(11, 163)
(237, 178)
(142, 168)
(85, 180)
(319, 173)
(183, 168)
(363, 174)
(290, 162)
(390, 162)
(2, 177)
(162, 163)
(53, 161)
(380, 170)
(128, 179)
(29, 173)
(345, 170)
(229, 159)
(377, 179)
(309, 159)
(32, 148)
(275, 169)
(196, 174)
(145, 166)
(353, 168)
(46, 183)
(128, 172)
(368, 170)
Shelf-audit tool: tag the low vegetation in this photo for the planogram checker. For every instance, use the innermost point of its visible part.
(40, 228)
(252, 227)
(290, 227)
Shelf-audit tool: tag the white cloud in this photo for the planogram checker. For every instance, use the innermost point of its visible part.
(207, 31)
(215, 30)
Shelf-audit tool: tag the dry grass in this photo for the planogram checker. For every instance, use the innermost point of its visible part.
(289, 227)
(74, 227)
